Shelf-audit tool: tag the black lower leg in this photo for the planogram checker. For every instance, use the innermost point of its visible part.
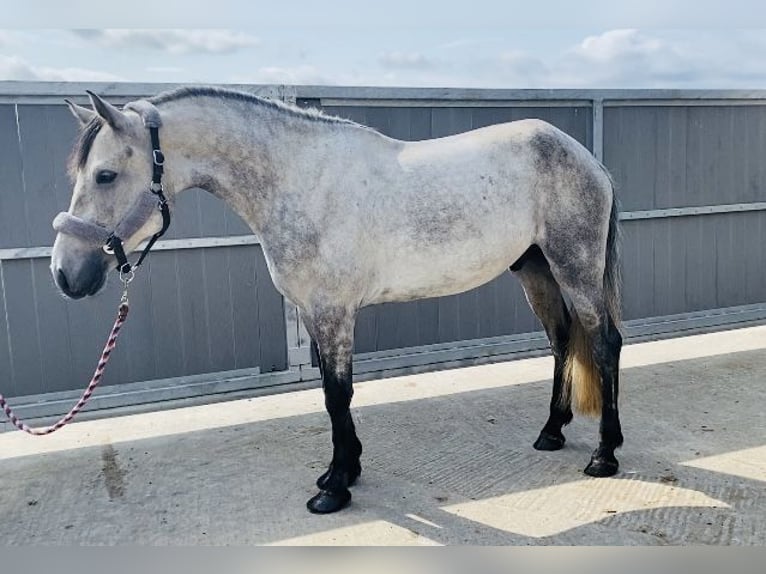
(347, 448)
(354, 466)
(322, 481)
(607, 353)
(551, 437)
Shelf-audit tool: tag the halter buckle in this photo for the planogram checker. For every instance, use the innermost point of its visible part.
(156, 187)
(158, 157)
(108, 247)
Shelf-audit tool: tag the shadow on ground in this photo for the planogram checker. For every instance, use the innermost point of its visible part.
(452, 469)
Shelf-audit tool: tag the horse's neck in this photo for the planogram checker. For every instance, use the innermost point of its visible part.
(244, 155)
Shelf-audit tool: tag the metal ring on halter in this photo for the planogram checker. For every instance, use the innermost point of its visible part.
(126, 278)
(108, 250)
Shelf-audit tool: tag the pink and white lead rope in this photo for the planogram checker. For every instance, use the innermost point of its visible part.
(111, 343)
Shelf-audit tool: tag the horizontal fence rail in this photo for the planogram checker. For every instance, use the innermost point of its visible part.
(208, 242)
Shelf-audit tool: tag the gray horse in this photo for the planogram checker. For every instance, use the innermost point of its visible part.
(348, 217)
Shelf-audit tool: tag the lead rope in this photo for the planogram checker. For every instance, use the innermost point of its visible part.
(111, 343)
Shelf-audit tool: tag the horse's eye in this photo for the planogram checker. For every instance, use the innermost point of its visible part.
(105, 176)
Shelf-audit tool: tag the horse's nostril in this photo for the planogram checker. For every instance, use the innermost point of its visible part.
(61, 280)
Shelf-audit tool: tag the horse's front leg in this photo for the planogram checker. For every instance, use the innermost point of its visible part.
(333, 333)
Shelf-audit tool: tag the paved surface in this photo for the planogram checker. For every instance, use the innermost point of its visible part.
(448, 460)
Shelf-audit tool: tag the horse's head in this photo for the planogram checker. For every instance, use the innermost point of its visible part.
(111, 166)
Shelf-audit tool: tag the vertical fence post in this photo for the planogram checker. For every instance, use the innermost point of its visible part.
(598, 128)
(298, 343)
(288, 94)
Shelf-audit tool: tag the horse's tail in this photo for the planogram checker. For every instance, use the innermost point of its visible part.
(612, 271)
(581, 376)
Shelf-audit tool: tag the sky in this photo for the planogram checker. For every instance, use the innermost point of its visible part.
(396, 43)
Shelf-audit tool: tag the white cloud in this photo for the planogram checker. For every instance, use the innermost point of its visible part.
(634, 59)
(616, 44)
(172, 41)
(630, 57)
(15, 68)
(405, 60)
(623, 58)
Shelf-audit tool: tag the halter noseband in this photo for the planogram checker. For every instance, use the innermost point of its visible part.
(139, 213)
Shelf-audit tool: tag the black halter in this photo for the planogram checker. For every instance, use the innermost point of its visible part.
(113, 243)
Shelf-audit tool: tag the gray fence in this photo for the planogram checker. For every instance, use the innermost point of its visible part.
(688, 167)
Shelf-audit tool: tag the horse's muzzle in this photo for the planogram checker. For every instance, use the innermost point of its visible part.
(87, 280)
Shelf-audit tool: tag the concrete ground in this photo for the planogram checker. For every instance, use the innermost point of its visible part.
(448, 460)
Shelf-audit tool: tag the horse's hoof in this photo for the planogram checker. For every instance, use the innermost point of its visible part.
(601, 466)
(352, 476)
(548, 441)
(326, 502)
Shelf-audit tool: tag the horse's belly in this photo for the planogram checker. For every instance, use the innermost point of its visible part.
(450, 271)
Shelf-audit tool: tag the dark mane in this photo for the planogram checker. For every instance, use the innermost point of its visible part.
(84, 143)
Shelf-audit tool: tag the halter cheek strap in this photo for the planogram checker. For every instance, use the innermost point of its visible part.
(158, 168)
(139, 214)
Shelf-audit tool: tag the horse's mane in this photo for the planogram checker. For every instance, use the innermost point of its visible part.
(90, 131)
(83, 144)
(239, 96)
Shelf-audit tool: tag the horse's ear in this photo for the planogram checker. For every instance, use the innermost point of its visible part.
(108, 112)
(84, 115)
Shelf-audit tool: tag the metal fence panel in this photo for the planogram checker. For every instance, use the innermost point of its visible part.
(208, 309)
(687, 264)
(676, 156)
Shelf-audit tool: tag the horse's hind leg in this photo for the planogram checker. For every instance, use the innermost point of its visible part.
(544, 297)
(606, 343)
(333, 333)
(593, 358)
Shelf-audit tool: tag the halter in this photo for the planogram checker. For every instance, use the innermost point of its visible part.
(112, 241)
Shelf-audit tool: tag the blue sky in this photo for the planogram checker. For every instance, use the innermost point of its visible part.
(428, 43)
